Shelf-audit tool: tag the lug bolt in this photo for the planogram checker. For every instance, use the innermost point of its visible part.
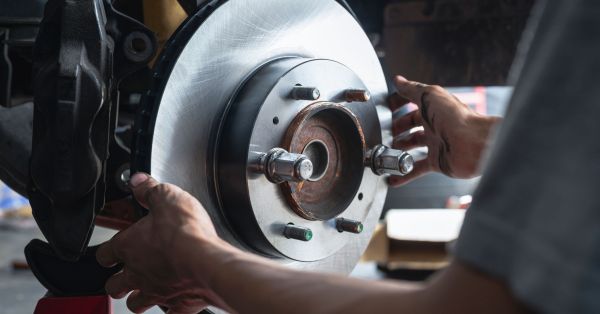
(122, 176)
(306, 93)
(407, 163)
(303, 169)
(125, 176)
(278, 166)
(358, 95)
(297, 233)
(385, 160)
(348, 225)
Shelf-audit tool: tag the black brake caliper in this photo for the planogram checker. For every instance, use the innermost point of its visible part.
(83, 49)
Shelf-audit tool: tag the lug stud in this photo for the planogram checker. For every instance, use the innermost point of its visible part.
(306, 93)
(358, 95)
(385, 160)
(348, 225)
(292, 231)
(278, 166)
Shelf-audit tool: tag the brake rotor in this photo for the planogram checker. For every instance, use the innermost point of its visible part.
(222, 98)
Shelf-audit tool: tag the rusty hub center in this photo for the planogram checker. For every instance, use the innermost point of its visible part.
(332, 137)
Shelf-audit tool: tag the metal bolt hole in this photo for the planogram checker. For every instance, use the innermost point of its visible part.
(138, 45)
(318, 154)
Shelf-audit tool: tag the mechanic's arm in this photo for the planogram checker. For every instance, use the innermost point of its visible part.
(455, 135)
(174, 258)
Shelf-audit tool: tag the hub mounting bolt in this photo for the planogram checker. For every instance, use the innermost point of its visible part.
(385, 160)
(279, 166)
(306, 93)
(358, 95)
(122, 176)
(348, 225)
(292, 231)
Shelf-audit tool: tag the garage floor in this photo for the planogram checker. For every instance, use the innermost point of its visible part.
(19, 290)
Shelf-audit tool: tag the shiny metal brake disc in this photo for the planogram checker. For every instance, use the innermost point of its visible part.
(270, 113)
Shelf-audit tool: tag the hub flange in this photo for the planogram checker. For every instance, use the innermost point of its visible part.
(333, 132)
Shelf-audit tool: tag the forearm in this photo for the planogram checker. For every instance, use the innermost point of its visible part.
(250, 284)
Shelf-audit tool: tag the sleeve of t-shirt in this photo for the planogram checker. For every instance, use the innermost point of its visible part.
(535, 217)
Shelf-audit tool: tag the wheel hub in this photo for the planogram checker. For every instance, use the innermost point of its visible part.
(333, 133)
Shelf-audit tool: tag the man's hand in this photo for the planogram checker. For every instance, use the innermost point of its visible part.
(173, 258)
(454, 134)
(155, 251)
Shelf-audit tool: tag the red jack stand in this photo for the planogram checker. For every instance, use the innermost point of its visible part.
(99, 304)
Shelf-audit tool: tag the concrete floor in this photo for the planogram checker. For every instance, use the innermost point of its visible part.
(19, 289)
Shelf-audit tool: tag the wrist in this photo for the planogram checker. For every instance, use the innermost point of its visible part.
(203, 260)
(479, 129)
(481, 126)
(212, 256)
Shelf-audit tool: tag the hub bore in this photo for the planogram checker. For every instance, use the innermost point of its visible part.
(318, 154)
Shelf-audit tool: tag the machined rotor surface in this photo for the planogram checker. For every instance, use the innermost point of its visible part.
(188, 105)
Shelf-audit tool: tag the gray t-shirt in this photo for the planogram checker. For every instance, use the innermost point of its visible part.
(535, 218)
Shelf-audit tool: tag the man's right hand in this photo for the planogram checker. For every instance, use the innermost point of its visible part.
(455, 135)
